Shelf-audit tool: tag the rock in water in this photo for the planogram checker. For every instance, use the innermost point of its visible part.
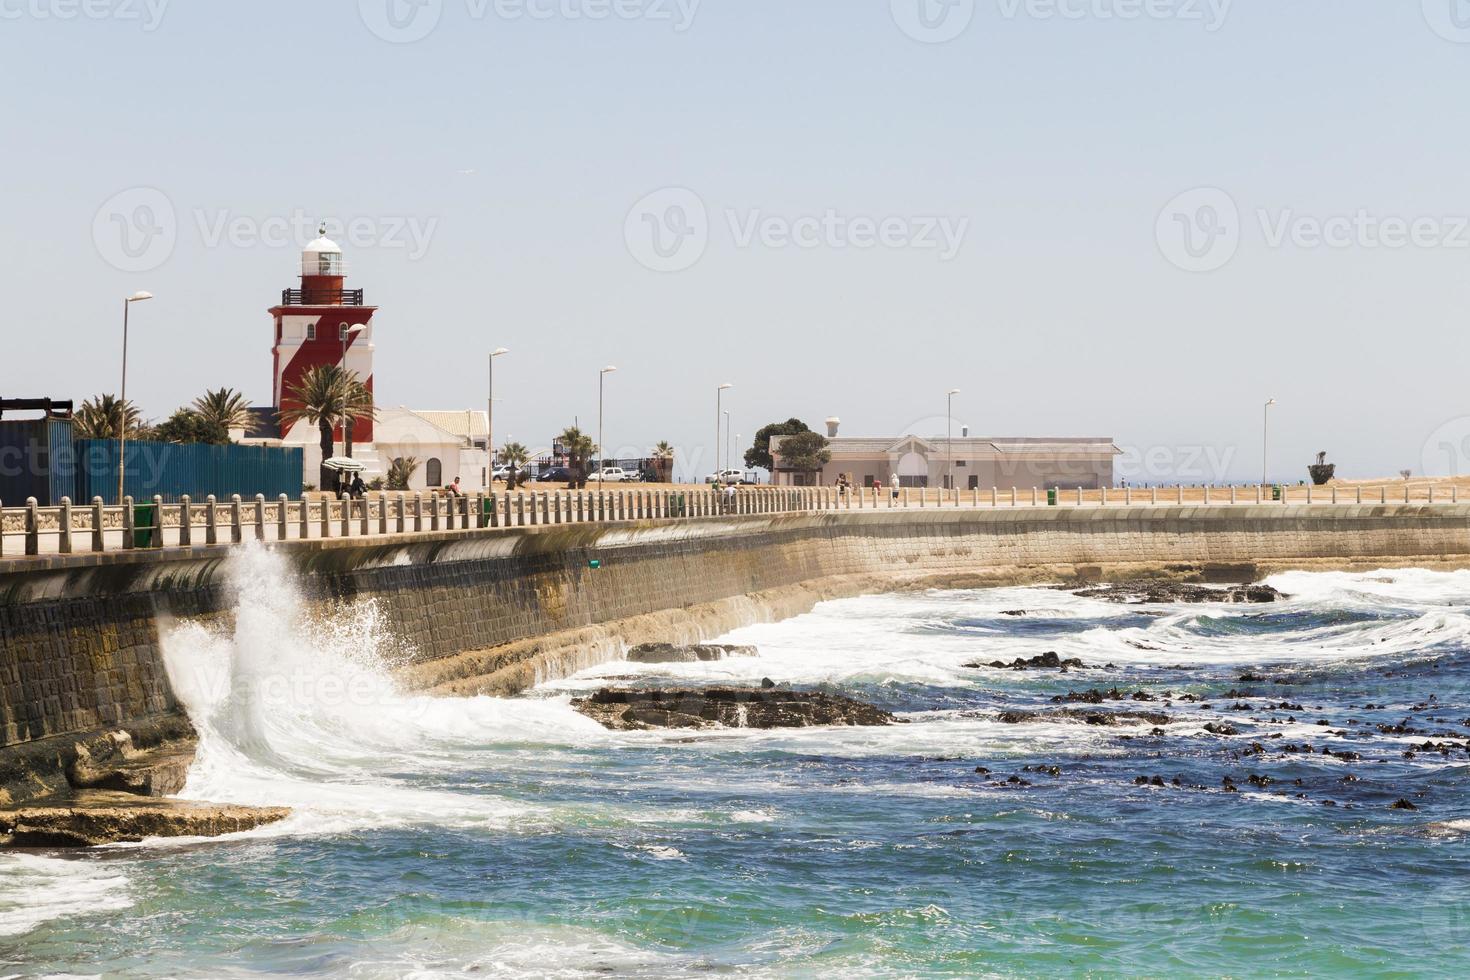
(669, 653)
(1151, 592)
(641, 710)
(93, 817)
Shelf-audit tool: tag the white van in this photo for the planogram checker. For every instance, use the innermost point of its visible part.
(616, 474)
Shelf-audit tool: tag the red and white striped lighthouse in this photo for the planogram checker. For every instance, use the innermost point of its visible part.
(315, 326)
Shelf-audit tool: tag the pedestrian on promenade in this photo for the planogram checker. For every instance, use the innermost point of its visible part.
(453, 489)
(358, 489)
(893, 482)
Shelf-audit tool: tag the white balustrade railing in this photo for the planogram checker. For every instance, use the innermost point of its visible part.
(71, 527)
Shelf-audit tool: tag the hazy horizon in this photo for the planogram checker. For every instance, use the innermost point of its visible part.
(1095, 217)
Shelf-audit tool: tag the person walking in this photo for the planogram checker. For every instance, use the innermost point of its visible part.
(893, 482)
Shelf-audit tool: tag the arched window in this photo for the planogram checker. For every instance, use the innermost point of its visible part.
(311, 331)
(434, 472)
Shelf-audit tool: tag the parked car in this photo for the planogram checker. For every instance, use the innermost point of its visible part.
(556, 474)
(728, 476)
(616, 474)
(502, 472)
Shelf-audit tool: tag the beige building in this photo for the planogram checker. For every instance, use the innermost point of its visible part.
(978, 463)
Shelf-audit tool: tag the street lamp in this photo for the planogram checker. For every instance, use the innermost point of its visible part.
(490, 418)
(122, 440)
(601, 456)
(728, 457)
(719, 414)
(949, 440)
(1265, 437)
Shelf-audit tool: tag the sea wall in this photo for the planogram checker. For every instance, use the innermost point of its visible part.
(496, 610)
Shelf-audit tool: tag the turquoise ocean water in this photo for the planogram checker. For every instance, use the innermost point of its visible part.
(485, 837)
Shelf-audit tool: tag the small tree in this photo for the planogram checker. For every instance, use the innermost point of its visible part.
(401, 471)
(321, 398)
(188, 426)
(105, 416)
(759, 454)
(805, 452)
(226, 409)
(579, 448)
(663, 462)
(515, 455)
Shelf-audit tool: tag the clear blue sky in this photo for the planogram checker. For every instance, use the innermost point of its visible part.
(519, 145)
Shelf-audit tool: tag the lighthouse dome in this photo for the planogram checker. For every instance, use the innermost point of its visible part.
(322, 257)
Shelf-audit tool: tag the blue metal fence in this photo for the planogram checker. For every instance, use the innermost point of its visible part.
(171, 470)
(34, 456)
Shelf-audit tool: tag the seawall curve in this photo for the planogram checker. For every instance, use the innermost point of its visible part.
(497, 610)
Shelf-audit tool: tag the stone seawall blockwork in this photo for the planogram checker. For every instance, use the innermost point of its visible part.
(496, 610)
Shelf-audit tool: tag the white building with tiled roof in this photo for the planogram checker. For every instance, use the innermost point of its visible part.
(976, 463)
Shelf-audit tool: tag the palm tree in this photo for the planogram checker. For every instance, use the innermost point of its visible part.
(226, 409)
(323, 396)
(515, 455)
(579, 449)
(663, 462)
(103, 417)
(401, 472)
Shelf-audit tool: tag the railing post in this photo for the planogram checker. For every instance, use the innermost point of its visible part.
(556, 506)
(418, 511)
(1431, 493)
(326, 515)
(186, 522)
(1079, 496)
(63, 543)
(1309, 493)
(545, 508)
(1035, 496)
(994, 497)
(260, 517)
(382, 512)
(211, 520)
(402, 522)
(1233, 497)
(433, 512)
(364, 524)
(1104, 497)
(1334, 495)
(1207, 495)
(1180, 490)
(99, 517)
(1259, 490)
(1406, 491)
(346, 502)
(1358, 496)
(520, 510)
(33, 527)
(127, 525)
(283, 517)
(237, 529)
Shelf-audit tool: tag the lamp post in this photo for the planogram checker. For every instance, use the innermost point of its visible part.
(1266, 438)
(728, 457)
(719, 414)
(346, 332)
(601, 456)
(949, 440)
(122, 434)
(490, 419)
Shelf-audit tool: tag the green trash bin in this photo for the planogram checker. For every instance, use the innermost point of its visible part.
(142, 525)
(1276, 492)
(679, 505)
(1051, 498)
(487, 510)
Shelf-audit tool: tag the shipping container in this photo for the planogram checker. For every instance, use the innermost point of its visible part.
(35, 461)
(171, 470)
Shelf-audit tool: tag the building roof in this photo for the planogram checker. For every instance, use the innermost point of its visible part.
(467, 424)
(858, 446)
